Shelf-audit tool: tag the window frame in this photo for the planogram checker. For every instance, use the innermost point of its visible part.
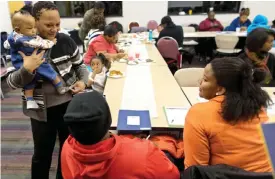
(239, 5)
(111, 16)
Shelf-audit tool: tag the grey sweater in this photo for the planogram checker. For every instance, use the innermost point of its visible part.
(66, 60)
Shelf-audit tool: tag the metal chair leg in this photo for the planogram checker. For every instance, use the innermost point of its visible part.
(2, 95)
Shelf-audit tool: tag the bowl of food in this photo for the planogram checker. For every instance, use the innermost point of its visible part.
(115, 74)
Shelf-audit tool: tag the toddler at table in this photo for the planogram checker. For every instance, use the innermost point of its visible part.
(100, 65)
(23, 39)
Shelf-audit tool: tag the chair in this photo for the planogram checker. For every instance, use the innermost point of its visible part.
(132, 24)
(189, 42)
(138, 29)
(226, 44)
(168, 48)
(221, 171)
(152, 25)
(3, 73)
(188, 29)
(189, 77)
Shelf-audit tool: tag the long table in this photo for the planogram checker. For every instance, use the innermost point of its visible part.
(166, 90)
(208, 34)
(192, 93)
(152, 53)
(212, 34)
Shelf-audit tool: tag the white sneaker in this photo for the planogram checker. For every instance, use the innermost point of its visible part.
(31, 104)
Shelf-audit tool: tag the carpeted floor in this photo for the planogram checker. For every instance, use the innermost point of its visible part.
(16, 139)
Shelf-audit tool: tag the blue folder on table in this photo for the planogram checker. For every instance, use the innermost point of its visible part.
(268, 131)
(133, 120)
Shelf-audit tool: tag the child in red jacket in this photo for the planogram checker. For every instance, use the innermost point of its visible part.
(91, 151)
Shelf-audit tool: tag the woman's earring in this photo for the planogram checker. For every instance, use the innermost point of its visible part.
(217, 94)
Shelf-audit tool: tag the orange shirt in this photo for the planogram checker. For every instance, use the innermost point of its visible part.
(210, 140)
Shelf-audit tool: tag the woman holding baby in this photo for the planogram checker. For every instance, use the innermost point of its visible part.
(64, 57)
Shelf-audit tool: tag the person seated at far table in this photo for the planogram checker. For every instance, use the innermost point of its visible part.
(225, 130)
(210, 23)
(258, 44)
(171, 30)
(91, 151)
(273, 25)
(258, 21)
(104, 44)
(241, 22)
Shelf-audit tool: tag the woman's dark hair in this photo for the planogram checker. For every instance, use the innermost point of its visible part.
(244, 99)
(110, 31)
(99, 5)
(273, 22)
(103, 59)
(257, 38)
(245, 11)
(28, 8)
(166, 20)
(101, 26)
(37, 8)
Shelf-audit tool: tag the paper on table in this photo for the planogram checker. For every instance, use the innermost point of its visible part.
(133, 120)
(141, 49)
(138, 92)
(176, 115)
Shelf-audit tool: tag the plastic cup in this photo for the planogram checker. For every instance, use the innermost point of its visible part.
(137, 54)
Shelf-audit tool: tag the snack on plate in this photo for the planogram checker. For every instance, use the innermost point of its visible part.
(115, 73)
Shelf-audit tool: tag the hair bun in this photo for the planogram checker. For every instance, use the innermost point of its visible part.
(259, 75)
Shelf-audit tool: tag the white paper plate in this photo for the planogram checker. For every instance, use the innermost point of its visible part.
(116, 76)
(132, 62)
(122, 60)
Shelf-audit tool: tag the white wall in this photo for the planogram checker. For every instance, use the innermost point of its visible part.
(5, 23)
(143, 11)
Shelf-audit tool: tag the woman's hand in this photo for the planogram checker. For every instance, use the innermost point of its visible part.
(31, 63)
(243, 28)
(78, 87)
(121, 51)
(121, 55)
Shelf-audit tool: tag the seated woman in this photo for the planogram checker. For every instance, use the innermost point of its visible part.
(273, 24)
(258, 44)
(225, 130)
(241, 22)
(210, 23)
(171, 30)
(259, 21)
(104, 44)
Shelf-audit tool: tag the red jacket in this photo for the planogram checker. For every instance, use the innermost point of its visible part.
(210, 25)
(116, 158)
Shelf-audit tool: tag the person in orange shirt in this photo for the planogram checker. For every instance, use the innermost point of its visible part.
(225, 130)
(91, 151)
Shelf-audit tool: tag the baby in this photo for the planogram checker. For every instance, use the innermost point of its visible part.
(24, 39)
(100, 65)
